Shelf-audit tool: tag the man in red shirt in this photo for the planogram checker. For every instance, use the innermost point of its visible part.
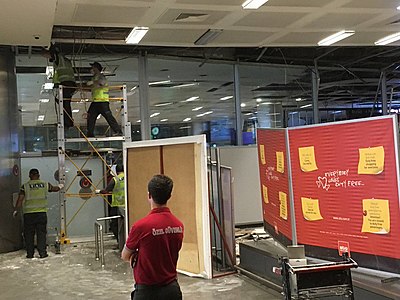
(153, 246)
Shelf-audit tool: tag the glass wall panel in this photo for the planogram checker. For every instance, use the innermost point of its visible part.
(191, 97)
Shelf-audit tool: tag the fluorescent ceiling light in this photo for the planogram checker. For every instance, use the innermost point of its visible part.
(154, 115)
(398, 7)
(159, 82)
(253, 4)
(388, 39)
(75, 110)
(99, 117)
(305, 106)
(259, 100)
(269, 103)
(44, 100)
(208, 36)
(204, 114)
(163, 120)
(187, 119)
(40, 118)
(197, 108)
(134, 88)
(163, 104)
(226, 98)
(299, 99)
(192, 99)
(184, 85)
(136, 35)
(243, 105)
(334, 38)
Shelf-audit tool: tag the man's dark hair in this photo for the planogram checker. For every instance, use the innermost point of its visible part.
(160, 188)
(33, 172)
(119, 168)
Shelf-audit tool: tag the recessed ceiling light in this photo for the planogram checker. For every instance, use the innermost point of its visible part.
(136, 35)
(259, 100)
(154, 115)
(305, 106)
(184, 85)
(138, 121)
(40, 118)
(253, 4)
(99, 116)
(44, 100)
(163, 120)
(192, 99)
(243, 105)
(388, 39)
(163, 104)
(334, 38)
(398, 7)
(197, 108)
(187, 119)
(226, 98)
(75, 110)
(299, 99)
(159, 82)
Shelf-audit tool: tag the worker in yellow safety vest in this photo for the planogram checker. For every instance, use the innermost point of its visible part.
(116, 186)
(100, 101)
(63, 75)
(33, 200)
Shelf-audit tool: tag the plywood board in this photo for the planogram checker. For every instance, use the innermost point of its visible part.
(141, 165)
(179, 164)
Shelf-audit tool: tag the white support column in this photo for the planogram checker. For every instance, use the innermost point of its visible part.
(384, 94)
(126, 125)
(238, 109)
(145, 125)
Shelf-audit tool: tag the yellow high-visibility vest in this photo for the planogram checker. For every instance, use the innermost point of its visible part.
(35, 196)
(118, 195)
(100, 94)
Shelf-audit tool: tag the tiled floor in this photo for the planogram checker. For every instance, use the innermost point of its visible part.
(75, 274)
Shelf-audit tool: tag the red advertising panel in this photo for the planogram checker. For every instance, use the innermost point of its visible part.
(274, 183)
(345, 186)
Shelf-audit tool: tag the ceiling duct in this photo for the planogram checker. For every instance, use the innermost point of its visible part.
(191, 18)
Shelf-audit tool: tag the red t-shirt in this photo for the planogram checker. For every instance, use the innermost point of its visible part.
(158, 239)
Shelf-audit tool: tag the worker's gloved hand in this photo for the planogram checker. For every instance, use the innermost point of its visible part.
(15, 213)
(97, 191)
(61, 186)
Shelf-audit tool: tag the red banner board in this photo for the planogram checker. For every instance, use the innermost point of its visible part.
(274, 183)
(345, 187)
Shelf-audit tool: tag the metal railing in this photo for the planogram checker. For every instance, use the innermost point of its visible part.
(99, 238)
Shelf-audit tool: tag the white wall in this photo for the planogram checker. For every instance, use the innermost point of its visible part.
(246, 182)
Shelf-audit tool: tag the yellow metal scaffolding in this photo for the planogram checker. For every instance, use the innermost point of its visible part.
(63, 155)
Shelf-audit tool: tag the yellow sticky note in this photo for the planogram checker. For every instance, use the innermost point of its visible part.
(265, 194)
(371, 161)
(376, 216)
(310, 209)
(280, 163)
(307, 159)
(283, 206)
(262, 155)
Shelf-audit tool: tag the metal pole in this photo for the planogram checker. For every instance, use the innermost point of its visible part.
(384, 94)
(96, 240)
(101, 244)
(61, 165)
(315, 88)
(145, 125)
(220, 212)
(126, 125)
(238, 110)
(291, 194)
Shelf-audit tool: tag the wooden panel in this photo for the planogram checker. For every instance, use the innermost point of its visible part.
(142, 165)
(180, 165)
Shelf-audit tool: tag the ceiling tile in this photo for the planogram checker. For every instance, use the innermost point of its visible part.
(211, 16)
(339, 21)
(86, 13)
(297, 3)
(171, 36)
(212, 2)
(373, 4)
(269, 19)
(302, 38)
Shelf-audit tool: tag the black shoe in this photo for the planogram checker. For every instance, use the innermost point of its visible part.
(29, 256)
(44, 255)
